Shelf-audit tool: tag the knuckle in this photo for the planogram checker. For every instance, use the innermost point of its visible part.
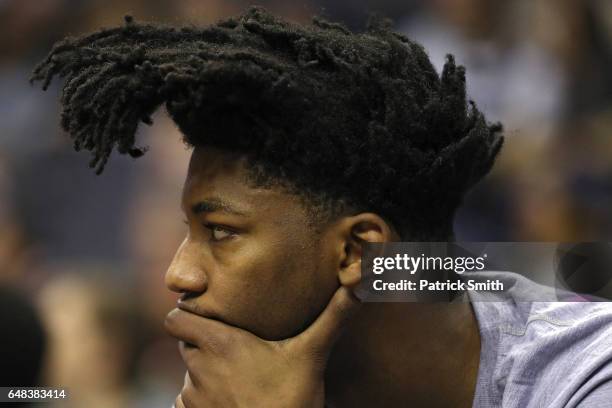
(187, 352)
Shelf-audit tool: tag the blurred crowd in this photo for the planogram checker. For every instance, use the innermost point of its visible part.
(89, 252)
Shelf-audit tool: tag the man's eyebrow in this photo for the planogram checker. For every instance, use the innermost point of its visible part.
(210, 205)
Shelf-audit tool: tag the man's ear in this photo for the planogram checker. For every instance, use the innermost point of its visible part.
(358, 230)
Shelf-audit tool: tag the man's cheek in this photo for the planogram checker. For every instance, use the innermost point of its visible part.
(248, 301)
(277, 314)
(298, 293)
(272, 292)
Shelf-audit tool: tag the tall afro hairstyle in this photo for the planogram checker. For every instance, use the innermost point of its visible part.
(345, 119)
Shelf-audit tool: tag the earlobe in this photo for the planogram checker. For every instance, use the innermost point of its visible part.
(350, 275)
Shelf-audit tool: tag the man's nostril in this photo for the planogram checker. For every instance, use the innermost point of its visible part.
(188, 295)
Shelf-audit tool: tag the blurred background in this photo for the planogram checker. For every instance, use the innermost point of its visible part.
(85, 255)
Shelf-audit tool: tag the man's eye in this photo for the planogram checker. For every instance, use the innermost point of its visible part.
(218, 233)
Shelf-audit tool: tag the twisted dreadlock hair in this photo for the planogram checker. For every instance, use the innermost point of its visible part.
(358, 119)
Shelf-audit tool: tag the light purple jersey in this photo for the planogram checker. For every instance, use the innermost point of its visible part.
(544, 354)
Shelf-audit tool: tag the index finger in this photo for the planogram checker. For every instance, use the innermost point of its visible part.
(199, 331)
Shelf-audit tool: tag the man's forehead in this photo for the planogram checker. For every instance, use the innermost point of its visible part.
(213, 175)
(219, 178)
(208, 163)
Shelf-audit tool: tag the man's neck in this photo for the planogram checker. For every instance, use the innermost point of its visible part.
(406, 354)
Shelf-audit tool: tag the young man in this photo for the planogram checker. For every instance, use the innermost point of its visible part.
(309, 142)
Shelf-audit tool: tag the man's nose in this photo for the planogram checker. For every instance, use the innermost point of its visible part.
(184, 274)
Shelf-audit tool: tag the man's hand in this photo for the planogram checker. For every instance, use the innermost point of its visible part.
(230, 367)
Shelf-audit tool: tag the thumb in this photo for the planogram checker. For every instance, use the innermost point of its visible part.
(321, 335)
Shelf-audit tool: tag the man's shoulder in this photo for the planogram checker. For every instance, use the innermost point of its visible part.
(544, 353)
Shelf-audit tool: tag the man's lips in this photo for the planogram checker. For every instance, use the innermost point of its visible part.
(196, 310)
(188, 308)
